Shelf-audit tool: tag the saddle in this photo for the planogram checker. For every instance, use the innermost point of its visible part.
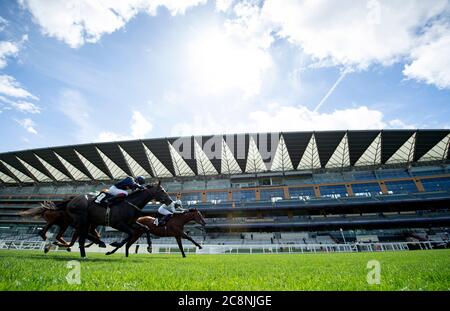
(103, 198)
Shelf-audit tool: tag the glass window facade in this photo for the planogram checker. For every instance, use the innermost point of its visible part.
(335, 191)
(268, 194)
(367, 190)
(384, 174)
(304, 193)
(217, 197)
(191, 198)
(404, 186)
(244, 195)
(436, 184)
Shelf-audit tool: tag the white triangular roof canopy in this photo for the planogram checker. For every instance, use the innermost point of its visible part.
(7, 179)
(114, 169)
(310, 158)
(20, 176)
(372, 155)
(228, 164)
(94, 170)
(255, 162)
(204, 165)
(76, 173)
(281, 160)
(159, 170)
(438, 152)
(57, 174)
(180, 166)
(41, 177)
(405, 153)
(341, 155)
(135, 167)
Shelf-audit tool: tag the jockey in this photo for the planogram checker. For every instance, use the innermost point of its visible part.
(119, 190)
(168, 210)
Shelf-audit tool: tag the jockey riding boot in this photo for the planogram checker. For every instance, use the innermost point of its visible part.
(164, 220)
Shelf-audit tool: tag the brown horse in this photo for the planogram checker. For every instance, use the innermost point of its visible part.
(55, 216)
(173, 228)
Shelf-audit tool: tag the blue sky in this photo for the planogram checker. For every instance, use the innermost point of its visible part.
(83, 71)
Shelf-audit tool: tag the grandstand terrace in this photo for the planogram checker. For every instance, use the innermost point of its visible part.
(268, 188)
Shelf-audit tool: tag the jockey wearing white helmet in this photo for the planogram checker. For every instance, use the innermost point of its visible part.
(168, 210)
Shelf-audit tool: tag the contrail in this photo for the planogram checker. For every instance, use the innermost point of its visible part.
(343, 74)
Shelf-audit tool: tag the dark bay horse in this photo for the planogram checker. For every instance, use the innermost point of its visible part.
(173, 228)
(53, 214)
(122, 216)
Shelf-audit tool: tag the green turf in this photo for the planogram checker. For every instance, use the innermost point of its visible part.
(408, 270)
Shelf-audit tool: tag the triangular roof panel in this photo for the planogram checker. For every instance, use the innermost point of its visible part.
(160, 149)
(327, 143)
(179, 164)
(212, 147)
(255, 162)
(116, 171)
(158, 169)
(426, 140)
(93, 169)
(405, 153)
(340, 157)
(310, 159)
(50, 157)
(18, 174)
(69, 155)
(358, 142)
(74, 172)
(185, 148)
(90, 153)
(204, 165)
(229, 165)
(135, 167)
(296, 144)
(57, 174)
(136, 150)
(113, 153)
(372, 155)
(281, 160)
(391, 141)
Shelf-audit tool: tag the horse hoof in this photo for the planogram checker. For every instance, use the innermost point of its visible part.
(46, 250)
(115, 244)
(102, 245)
(68, 249)
(200, 247)
(108, 253)
(149, 249)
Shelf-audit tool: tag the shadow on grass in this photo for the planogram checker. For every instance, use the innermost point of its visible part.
(65, 257)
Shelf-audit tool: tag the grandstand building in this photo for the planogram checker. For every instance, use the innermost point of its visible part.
(328, 187)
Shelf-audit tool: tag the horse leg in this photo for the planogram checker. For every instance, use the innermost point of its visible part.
(149, 242)
(59, 237)
(126, 229)
(180, 245)
(187, 237)
(83, 232)
(134, 238)
(42, 233)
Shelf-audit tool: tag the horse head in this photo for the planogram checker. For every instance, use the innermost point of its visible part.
(159, 193)
(198, 217)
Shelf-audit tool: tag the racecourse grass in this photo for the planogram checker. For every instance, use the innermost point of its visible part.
(407, 270)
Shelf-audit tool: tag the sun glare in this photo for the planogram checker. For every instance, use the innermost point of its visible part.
(220, 63)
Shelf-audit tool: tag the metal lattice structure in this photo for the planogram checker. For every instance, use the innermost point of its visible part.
(223, 155)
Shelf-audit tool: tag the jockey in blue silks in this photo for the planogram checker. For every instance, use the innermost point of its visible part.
(120, 189)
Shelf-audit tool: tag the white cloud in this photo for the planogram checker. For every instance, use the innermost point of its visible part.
(24, 106)
(27, 124)
(10, 87)
(140, 126)
(353, 33)
(275, 118)
(78, 21)
(7, 49)
(430, 60)
(221, 62)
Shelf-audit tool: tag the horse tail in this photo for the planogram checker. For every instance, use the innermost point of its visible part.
(33, 211)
